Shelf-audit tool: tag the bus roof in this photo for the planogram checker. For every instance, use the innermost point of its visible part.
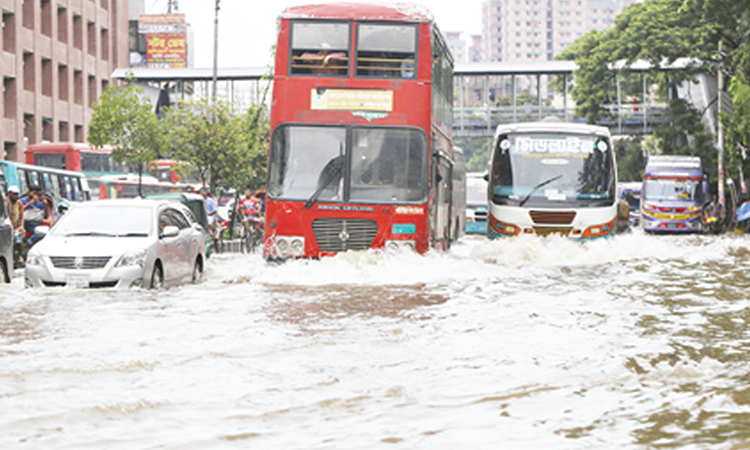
(65, 146)
(41, 168)
(551, 125)
(402, 12)
(674, 162)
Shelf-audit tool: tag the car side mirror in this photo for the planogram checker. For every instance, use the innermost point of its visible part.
(170, 231)
(41, 230)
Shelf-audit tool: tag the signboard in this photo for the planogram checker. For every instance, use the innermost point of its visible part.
(161, 23)
(165, 40)
(351, 99)
(166, 50)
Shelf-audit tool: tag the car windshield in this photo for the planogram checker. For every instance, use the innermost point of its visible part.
(110, 220)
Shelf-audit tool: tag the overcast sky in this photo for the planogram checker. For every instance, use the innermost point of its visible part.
(247, 28)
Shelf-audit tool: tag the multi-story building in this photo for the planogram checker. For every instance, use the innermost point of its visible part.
(538, 30)
(456, 45)
(57, 57)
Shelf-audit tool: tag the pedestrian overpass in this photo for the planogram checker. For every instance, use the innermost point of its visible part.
(485, 94)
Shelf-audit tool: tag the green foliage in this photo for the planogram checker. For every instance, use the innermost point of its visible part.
(660, 31)
(214, 140)
(631, 159)
(124, 119)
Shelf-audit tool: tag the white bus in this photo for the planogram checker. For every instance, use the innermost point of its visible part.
(552, 177)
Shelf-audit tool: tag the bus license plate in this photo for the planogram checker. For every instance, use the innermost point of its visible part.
(77, 281)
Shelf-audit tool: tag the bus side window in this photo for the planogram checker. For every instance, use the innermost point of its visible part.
(33, 178)
(55, 183)
(47, 183)
(23, 185)
(77, 194)
(68, 194)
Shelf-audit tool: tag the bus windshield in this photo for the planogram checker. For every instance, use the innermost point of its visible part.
(553, 169)
(673, 189)
(348, 164)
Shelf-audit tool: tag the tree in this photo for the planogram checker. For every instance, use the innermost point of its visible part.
(124, 119)
(212, 139)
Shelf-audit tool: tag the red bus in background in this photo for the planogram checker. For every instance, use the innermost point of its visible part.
(127, 187)
(361, 152)
(165, 170)
(77, 157)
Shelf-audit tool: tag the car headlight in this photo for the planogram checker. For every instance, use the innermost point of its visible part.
(137, 258)
(34, 260)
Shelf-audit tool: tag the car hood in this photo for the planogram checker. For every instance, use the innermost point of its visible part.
(90, 245)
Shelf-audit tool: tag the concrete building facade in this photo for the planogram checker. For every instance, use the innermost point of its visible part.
(57, 58)
(538, 30)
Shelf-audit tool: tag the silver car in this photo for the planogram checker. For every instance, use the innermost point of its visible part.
(6, 242)
(119, 243)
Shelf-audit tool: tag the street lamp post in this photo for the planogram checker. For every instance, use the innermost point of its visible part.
(216, 52)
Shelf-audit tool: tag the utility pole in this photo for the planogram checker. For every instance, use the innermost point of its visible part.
(216, 52)
(719, 129)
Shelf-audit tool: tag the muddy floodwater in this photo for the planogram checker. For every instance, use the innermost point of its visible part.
(637, 342)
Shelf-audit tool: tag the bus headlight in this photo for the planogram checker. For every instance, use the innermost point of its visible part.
(290, 245)
(507, 229)
(600, 230)
(400, 243)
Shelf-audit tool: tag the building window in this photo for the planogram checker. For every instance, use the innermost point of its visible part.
(77, 31)
(105, 4)
(91, 38)
(9, 97)
(47, 132)
(29, 128)
(27, 11)
(46, 18)
(62, 82)
(9, 32)
(47, 77)
(78, 87)
(78, 132)
(92, 90)
(10, 151)
(28, 71)
(105, 85)
(63, 134)
(105, 44)
(62, 24)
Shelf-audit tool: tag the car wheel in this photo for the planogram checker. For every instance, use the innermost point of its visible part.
(157, 277)
(197, 270)
(4, 272)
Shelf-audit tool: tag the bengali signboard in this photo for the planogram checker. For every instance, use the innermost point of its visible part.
(351, 99)
(166, 50)
(165, 40)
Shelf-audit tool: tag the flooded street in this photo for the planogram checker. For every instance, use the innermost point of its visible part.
(629, 343)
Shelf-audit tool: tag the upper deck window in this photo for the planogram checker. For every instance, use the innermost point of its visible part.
(320, 48)
(387, 51)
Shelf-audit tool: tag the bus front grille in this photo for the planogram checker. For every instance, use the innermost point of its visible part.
(340, 235)
(552, 217)
(546, 231)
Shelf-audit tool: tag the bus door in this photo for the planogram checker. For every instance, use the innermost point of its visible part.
(441, 230)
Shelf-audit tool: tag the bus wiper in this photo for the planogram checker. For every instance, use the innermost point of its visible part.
(334, 168)
(537, 187)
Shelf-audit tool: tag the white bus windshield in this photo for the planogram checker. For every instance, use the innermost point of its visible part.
(675, 189)
(553, 169)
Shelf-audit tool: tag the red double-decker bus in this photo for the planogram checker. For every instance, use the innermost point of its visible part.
(361, 151)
